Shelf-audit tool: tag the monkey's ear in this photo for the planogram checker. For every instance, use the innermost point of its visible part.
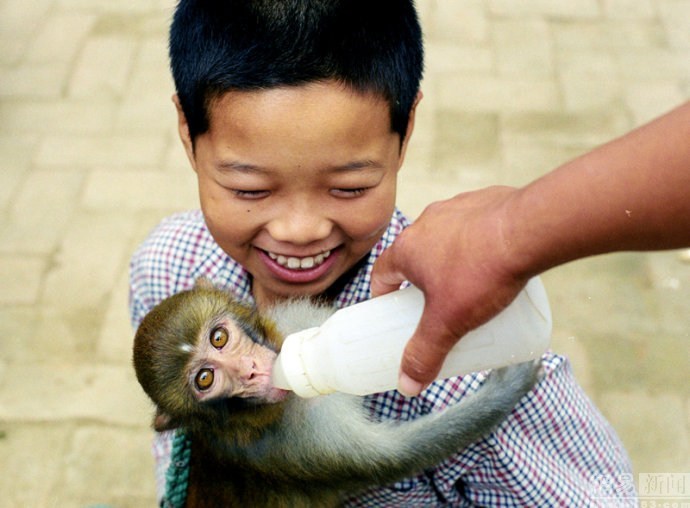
(203, 283)
(163, 421)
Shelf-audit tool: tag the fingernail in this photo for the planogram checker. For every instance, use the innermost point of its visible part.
(408, 386)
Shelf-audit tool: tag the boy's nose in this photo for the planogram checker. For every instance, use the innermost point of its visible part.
(300, 225)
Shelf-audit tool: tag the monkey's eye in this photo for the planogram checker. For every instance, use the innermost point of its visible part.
(219, 337)
(204, 379)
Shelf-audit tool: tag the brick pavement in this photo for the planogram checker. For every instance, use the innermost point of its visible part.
(91, 161)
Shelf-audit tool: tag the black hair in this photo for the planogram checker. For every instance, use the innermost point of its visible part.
(372, 46)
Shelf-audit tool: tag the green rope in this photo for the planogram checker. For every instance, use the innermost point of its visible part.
(177, 475)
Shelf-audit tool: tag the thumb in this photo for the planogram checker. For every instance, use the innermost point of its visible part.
(424, 355)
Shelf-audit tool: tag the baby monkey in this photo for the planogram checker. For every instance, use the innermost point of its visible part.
(205, 360)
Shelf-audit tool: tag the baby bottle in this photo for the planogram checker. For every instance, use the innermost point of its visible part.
(358, 350)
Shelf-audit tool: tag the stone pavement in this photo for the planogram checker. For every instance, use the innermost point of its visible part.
(91, 161)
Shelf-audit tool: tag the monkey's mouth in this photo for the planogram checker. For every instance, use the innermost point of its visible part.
(296, 263)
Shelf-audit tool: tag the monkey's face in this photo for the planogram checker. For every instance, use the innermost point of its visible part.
(297, 183)
(228, 363)
(202, 346)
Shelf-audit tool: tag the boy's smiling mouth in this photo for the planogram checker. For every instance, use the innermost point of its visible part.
(299, 263)
(299, 270)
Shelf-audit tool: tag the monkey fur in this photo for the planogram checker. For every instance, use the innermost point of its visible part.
(269, 448)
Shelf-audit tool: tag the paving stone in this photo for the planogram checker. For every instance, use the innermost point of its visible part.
(34, 80)
(18, 17)
(647, 100)
(605, 295)
(147, 105)
(136, 150)
(109, 8)
(106, 465)
(638, 9)
(41, 211)
(13, 49)
(20, 278)
(142, 24)
(670, 280)
(416, 190)
(523, 47)
(651, 64)
(580, 9)
(656, 361)
(442, 57)
(675, 15)
(525, 159)
(649, 423)
(61, 336)
(15, 157)
(73, 117)
(565, 343)
(582, 66)
(136, 190)
(579, 128)
(115, 338)
(60, 392)
(605, 35)
(59, 37)
(464, 139)
(588, 81)
(93, 251)
(103, 66)
(459, 21)
(32, 458)
(488, 93)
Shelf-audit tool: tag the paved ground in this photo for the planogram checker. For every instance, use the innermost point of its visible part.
(90, 162)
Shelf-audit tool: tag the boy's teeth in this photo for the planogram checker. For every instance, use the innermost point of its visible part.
(295, 263)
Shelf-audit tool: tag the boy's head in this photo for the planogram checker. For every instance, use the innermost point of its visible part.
(221, 45)
(295, 115)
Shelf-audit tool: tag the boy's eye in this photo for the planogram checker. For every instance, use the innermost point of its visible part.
(250, 194)
(349, 193)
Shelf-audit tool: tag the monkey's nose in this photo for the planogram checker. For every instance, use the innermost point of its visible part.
(247, 368)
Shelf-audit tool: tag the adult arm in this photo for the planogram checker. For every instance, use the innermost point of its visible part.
(472, 254)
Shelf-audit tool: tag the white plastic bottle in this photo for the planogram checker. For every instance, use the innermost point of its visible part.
(358, 350)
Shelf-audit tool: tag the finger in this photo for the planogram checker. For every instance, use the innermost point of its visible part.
(424, 354)
(386, 275)
(420, 366)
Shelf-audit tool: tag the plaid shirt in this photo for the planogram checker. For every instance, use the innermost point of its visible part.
(555, 449)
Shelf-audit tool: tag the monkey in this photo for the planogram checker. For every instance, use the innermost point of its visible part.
(205, 360)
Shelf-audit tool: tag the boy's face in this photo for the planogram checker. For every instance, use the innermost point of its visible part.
(297, 183)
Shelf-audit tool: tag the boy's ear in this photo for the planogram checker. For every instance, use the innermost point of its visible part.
(183, 129)
(410, 127)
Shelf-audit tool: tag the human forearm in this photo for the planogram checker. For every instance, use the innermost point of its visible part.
(472, 254)
(630, 194)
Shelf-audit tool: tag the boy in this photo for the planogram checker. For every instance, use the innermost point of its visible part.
(295, 116)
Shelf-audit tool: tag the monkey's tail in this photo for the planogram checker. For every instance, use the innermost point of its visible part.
(340, 444)
(423, 442)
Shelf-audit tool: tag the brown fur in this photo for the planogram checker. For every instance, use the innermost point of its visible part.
(295, 453)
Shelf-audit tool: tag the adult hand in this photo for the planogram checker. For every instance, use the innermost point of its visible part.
(472, 254)
(458, 252)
